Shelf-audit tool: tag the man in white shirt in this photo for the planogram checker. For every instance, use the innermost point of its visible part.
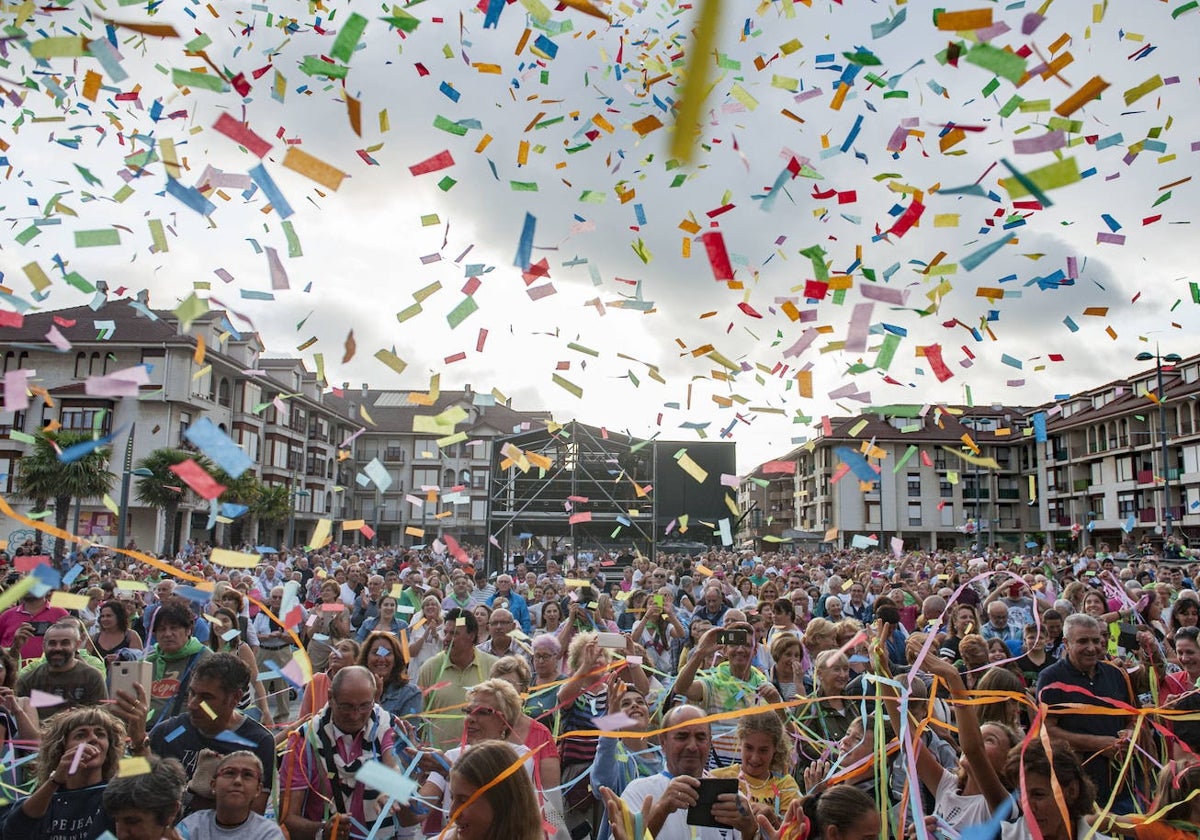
(673, 791)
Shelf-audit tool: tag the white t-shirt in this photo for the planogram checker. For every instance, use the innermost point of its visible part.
(957, 810)
(675, 826)
(202, 825)
(1019, 830)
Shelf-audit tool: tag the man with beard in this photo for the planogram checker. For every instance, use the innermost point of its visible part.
(212, 722)
(62, 674)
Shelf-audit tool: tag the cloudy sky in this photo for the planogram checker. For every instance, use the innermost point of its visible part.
(554, 138)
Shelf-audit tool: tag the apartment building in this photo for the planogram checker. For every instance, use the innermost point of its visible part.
(919, 489)
(1102, 462)
(314, 441)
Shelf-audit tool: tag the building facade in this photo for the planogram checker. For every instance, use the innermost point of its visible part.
(918, 489)
(1102, 461)
(314, 441)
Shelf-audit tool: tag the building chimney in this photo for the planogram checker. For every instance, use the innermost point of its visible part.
(364, 391)
(467, 390)
(345, 386)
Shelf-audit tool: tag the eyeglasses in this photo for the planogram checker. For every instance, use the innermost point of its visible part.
(544, 656)
(361, 708)
(482, 711)
(232, 773)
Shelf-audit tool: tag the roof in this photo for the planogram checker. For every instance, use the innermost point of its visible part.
(948, 427)
(394, 411)
(132, 322)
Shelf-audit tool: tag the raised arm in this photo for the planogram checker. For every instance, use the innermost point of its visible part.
(969, 732)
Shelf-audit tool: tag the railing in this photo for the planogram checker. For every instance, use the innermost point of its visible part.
(1008, 493)
(1081, 484)
(1147, 515)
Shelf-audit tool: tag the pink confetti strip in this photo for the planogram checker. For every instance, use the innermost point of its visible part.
(242, 135)
(75, 761)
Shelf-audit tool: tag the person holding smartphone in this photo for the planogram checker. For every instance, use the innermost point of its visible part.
(23, 626)
(679, 787)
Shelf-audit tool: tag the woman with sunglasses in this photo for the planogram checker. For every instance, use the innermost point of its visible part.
(1187, 656)
(525, 730)
(491, 707)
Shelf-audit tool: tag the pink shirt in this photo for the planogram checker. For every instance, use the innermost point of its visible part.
(12, 619)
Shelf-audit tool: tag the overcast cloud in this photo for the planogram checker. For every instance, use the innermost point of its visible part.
(363, 245)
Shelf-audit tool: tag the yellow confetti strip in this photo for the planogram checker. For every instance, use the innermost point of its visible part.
(313, 168)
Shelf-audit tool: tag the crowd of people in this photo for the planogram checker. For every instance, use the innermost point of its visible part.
(355, 693)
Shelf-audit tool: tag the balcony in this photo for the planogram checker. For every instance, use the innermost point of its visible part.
(1148, 515)
(976, 493)
(394, 454)
(1060, 454)
(1081, 484)
(1145, 476)
(1009, 494)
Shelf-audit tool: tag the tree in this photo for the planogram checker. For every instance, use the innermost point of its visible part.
(44, 476)
(165, 491)
(238, 491)
(272, 504)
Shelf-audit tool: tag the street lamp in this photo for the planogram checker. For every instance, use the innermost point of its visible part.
(140, 472)
(1171, 359)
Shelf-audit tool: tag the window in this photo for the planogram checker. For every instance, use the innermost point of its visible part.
(873, 514)
(914, 513)
(425, 477)
(394, 450)
(223, 397)
(185, 420)
(425, 449)
(1126, 504)
(914, 486)
(11, 421)
(81, 370)
(85, 418)
(479, 480)
(945, 489)
(8, 471)
(947, 513)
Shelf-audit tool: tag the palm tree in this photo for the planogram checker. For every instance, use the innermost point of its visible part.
(44, 476)
(165, 491)
(272, 504)
(239, 491)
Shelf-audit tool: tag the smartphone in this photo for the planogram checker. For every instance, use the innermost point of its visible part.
(616, 641)
(40, 627)
(710, 789)
(126, 674)
(733, 637)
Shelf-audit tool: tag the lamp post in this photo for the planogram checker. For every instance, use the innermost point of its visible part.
(140, 472)
(1171, 359)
